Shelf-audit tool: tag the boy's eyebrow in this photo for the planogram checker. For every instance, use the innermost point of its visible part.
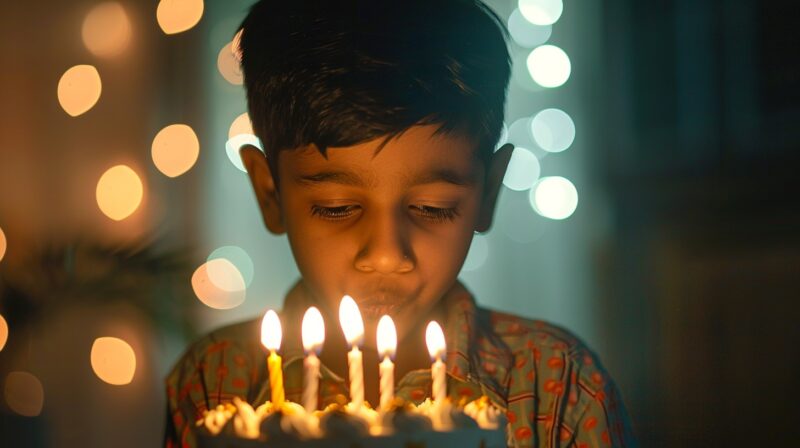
(347, 178)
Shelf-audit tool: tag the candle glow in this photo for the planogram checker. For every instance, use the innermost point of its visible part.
(434, 339)
(353, 327)
(313, 332)
(387, 345)
(271, 335)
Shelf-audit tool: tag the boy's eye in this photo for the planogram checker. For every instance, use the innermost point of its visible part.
(436, 214)
(333, 213)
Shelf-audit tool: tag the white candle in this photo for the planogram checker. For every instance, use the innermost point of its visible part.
(387, 345)
(353, 327)
(313, 337)
(434, 338)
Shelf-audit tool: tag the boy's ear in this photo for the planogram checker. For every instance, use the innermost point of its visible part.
(264, 187)
(491, 189)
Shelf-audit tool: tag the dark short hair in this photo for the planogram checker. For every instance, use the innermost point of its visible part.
(342, 72)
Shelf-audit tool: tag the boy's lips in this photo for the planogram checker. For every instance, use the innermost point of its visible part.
(379, 303)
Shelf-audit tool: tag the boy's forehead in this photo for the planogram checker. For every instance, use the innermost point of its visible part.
(416, 157)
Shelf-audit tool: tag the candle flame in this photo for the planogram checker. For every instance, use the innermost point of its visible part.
(351, 321)
(434, 338)
(313, 330)
(271, 331)
(387, 337)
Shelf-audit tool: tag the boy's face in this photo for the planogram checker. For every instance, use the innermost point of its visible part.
(390, 228)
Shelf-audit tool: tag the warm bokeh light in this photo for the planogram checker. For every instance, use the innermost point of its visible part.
(554, 197)
(434, 339)
(271, 332)
(478, 253)
(119, 192)
(351, 322)
(113, 360)
(225, 275)
(229, 67)
(313, 330)
(541, 12)
(234, 144)
(241, 125)
(3, 332)
(106, 29)
(525, 33)
(240, 259)
(24, 394)
(386, 337)
(553, 130)
(3, 244)
(523, 170)
(214, 296)
(176, 16)
(549, 66)
(237, 52)
(175, 149)
(79, 89)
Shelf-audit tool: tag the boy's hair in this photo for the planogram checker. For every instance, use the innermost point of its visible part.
(342, 72)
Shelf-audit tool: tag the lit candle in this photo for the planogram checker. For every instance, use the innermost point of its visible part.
(434, 338)
(271, 338)
(387, 344)
(313, 337)
(353, 327)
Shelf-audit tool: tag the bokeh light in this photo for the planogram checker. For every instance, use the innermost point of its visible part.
(477, 255)
(229, 67)
(175, 149)
(523, 170)
(549, 66)
(24, 394)
(240, 259)
(230, 295)
(541, 12)
(241, 125)
(176, 16)
(525, 33)
(113, 360)
(235, 143)
(3, 244)
(519, 133)
(554, 197)
(106, 29)
(553, 130)
(79, 89)
(3, 332)
(119, 192)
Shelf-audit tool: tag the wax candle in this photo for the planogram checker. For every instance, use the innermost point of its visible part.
(271, 338)
(353, 327)
(434, 338)
(313, 338)
(387, 344)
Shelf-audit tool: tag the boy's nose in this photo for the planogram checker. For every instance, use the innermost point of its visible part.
(385, 248)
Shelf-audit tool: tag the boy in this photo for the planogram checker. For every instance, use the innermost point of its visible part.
(379, 120)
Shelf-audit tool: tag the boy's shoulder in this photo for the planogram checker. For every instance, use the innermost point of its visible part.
(542, 342)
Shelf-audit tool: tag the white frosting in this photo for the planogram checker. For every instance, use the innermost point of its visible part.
(215, 419)
(292, 421)
(483, 412)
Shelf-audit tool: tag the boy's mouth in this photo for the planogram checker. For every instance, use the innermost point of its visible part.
(375, 305)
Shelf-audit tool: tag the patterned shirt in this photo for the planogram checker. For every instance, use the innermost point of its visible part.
(551, 386)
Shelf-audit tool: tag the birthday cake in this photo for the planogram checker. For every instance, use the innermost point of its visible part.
(429, 424)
